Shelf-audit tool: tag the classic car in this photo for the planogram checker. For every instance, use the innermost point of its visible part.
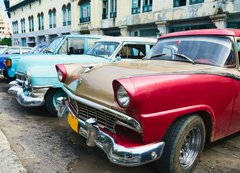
(10, 62)
(57, 46)
(12, 50)
(37, 83)
(161, 108)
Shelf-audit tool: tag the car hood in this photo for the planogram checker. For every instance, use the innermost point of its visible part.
(96, 84)
(43, 63)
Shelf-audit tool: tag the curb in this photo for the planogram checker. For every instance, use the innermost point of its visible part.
(9, 162)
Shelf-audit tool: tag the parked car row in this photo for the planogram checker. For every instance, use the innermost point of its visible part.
(6, 51)
(159, 104)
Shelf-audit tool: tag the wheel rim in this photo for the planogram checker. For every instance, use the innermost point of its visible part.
(190, 148)
(57, 95)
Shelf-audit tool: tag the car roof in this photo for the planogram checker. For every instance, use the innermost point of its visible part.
(129, 39)
(220, 32)
(85, 35)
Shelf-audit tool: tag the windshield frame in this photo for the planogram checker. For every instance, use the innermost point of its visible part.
(230, 38)
(57, 40)
(107, 57)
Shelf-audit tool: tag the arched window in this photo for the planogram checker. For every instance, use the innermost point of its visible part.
(42, 21)
(50, 18)
(64, 12)
(69, 14)
(54, 18)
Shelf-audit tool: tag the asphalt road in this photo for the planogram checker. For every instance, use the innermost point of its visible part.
(47, 144)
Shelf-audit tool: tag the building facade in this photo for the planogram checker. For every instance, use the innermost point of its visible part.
(5, 29)
(36, 21)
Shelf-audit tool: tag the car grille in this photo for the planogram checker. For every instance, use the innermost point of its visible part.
(105, 120)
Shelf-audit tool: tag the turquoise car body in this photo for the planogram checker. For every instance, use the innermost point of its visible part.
(57, 44)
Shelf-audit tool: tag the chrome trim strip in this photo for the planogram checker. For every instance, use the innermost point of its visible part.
(41, 87)
(119, 115)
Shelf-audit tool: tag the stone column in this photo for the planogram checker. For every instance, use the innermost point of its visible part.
(124, 30)
(162, 27)
(220, 20)
(75, 16)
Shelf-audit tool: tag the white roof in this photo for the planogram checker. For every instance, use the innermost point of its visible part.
(129, 39)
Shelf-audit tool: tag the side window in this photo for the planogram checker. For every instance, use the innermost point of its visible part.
(72, 46)
(134, 51)
(75, 46)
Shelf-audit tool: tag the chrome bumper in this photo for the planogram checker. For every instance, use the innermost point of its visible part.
(26, 98)
(118, 154)
(14, 88)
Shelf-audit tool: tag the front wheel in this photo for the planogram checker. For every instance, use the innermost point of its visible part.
(51, 99)
(184, 142)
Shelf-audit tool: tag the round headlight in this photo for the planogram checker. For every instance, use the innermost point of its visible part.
(122, 97)
(60, 75)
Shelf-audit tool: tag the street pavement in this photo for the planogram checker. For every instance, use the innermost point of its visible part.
(9, 161)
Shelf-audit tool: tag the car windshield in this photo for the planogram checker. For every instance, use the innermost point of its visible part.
(103, 49)
(53, 46)
(213, 50)
(3, 49)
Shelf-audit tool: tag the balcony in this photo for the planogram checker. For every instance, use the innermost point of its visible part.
(64, 23)
(50, 26)
(136, 10)
(85, 19)
(147, 8)
(113, 14)
(69, 22)
(54, 26)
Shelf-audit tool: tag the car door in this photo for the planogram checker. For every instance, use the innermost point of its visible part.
(235, 121)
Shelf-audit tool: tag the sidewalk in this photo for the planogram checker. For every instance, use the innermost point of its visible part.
(9, 162)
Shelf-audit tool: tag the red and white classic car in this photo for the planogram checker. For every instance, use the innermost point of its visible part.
(162, 108)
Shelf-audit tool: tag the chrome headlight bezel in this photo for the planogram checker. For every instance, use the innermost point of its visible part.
(60, 75)
(123, 98)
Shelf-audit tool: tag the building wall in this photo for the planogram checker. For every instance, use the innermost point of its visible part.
(5, 29)
(160, 18)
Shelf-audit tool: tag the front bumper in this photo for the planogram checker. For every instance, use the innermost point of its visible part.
(118, 154)
(26, 98)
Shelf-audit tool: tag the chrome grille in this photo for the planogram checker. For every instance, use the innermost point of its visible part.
(104, 119)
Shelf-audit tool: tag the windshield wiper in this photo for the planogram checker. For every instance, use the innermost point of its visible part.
(184, 57)
(154, 56)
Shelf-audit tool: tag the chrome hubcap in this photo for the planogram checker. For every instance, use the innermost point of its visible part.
(190, 148)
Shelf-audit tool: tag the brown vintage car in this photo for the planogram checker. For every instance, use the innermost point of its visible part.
(162, 108)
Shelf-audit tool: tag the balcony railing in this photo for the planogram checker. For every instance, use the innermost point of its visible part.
(113, 14)
(50, 26)
(136, 10)
(84, 19)
(54, 25)
(147, 8)
(64, 23)
(69, 22)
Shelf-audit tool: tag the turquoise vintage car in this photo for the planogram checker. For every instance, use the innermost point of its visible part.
(37, 83)
(78, 44)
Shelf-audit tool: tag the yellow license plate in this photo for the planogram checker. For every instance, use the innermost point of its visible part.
(73, 122)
